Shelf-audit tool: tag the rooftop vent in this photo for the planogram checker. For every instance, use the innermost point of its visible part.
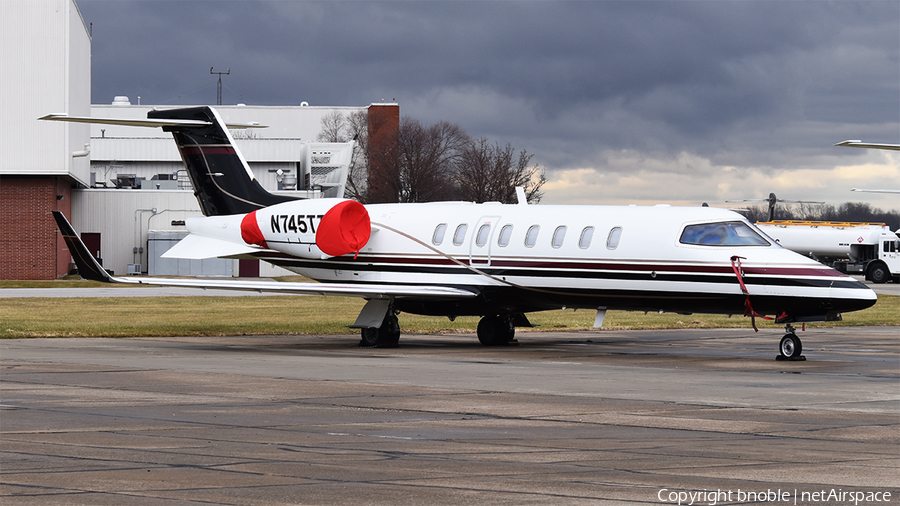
(121, 100)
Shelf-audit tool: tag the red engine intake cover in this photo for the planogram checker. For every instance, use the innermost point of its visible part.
(345, 228)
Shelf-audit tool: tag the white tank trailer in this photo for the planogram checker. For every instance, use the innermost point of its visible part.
(871, 249)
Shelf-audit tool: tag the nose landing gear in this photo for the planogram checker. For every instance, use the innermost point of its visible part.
(790, 348)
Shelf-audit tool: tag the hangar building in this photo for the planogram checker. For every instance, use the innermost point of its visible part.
(124, 188)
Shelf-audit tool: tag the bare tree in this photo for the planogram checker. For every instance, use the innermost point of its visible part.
(420, 165)
(333, 128)
(489, 173)
(339, 128)
(357, 128)
(423, 164)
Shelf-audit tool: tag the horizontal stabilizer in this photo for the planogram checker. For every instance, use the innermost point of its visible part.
(149, 122)
(197, 247)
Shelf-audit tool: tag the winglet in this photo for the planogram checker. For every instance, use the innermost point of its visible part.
(88, 266)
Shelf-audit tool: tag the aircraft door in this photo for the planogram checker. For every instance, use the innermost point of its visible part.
(482, 238)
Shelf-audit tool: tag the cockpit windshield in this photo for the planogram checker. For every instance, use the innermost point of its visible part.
(727, 233)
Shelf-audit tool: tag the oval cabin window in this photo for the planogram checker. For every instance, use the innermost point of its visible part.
(484, 232)
(439, 232)
(531, 235)
(505, 234)
(584, 242)
(612, 242)
(559, 236)
(460, 234)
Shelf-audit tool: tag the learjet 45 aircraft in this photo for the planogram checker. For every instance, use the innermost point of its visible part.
(496, 261)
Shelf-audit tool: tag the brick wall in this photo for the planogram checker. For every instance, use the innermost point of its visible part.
(384, 125)
(29, 244)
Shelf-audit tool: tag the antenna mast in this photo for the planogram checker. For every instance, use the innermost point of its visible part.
(219, 84)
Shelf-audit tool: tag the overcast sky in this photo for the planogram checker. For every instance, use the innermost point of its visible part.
(676, 102)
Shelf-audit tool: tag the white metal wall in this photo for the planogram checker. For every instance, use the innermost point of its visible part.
(46, 56)
(124, 219)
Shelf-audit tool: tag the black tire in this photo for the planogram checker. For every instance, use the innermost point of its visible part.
(369, 338)
(790, 346)
(386, 336)
(389, 333)
(879, 273)
(496, 330)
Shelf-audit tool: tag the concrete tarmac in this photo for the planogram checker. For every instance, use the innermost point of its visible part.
(606, 417)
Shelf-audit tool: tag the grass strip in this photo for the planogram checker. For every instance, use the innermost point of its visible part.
(286, 315)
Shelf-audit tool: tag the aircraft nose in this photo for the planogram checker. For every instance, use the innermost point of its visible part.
(850, 294)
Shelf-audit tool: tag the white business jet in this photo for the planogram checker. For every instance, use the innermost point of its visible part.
(497, 261)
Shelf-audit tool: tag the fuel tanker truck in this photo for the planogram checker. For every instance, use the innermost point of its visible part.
(870, 249)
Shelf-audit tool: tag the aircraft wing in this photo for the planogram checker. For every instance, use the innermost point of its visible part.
(874, 191)
(89, 268)
(861, 144)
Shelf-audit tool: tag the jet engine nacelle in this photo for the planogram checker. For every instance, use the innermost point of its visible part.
(319, 228)
(313, 229)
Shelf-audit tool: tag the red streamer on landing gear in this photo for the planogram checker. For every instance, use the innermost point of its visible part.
(345, 228)
(748, 308)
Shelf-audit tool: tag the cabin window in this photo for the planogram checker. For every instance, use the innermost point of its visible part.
(505, 234)
(531, 235)
(891, 246)
(439, 232)
(484, 232)
(558, 236)
(586, 235)
(726, 233)
(612, 242)
(460, 234)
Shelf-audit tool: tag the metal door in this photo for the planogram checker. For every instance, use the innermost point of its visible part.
(482, 239)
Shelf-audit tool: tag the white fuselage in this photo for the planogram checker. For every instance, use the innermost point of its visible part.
(635, 258)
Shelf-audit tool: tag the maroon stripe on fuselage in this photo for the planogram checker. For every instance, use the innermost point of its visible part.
(607, 266)
(207, 150)
(568, 265)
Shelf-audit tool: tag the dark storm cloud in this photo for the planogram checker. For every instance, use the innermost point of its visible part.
(757, 84)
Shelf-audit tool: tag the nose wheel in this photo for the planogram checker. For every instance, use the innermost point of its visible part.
(790, 347)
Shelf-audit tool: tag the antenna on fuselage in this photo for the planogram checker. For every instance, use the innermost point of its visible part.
(522, 200)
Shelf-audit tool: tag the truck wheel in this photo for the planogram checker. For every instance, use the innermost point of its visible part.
(879, 273)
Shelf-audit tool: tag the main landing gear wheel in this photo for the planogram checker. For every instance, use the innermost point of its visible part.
(386, 336)
(790, 348)
(496, 330)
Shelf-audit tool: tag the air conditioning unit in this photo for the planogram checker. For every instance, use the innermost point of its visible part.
(134, 269)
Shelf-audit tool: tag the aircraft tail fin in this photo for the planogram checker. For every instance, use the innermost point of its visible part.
(88, 266)
(223, 182)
